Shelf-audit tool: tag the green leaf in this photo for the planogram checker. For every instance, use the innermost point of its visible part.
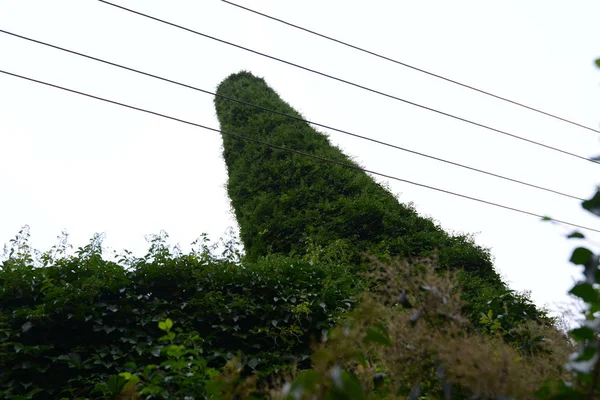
(583, 333)
(165, 325)
(581, 255)
(587, 354)
(585, 291)
(376, 335)
(131, 382)
(115, 383)
(576, 235)
(174, 350)
(27, 365)
(593, 204)
(168, 337)
(170, 364)
(484, 319)
(126, 375)
(73, 359)
(155, 352)
(598, 62)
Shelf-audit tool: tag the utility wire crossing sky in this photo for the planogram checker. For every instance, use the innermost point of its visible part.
(351, 83)
(296, 118)
(289, 150)
(411, 66)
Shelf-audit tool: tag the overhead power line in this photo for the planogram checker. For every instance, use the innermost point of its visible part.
(413, 67)
(349, 82)
(323, 159)
(289, 116)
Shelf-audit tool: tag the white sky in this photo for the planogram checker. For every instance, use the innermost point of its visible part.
(68, 162)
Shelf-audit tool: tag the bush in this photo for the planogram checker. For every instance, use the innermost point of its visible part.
(409, 339)
(69, 325)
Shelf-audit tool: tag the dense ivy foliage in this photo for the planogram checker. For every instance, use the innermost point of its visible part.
(68, 325)
(285, 202)
(290, 204)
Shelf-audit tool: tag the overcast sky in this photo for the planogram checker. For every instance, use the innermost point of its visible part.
(73, 163)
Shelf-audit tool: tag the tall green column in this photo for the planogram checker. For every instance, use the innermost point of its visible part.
(286, 202)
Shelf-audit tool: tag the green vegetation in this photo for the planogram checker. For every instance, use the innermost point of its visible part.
(420, 346)
(344, 293)
(293, 205)
(67, 323)
(198, 325)
(285, 203)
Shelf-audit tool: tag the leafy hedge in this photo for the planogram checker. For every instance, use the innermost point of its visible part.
(290, 204)
(284, 202)
(68, 325)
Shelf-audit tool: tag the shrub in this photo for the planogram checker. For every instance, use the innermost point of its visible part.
(71, 324)
(409, 339)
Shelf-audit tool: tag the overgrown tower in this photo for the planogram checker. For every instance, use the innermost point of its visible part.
(286, 202)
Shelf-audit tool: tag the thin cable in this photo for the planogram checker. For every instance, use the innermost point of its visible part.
(349, 82)
(323, 159)
(288, 115)
(412, 67)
